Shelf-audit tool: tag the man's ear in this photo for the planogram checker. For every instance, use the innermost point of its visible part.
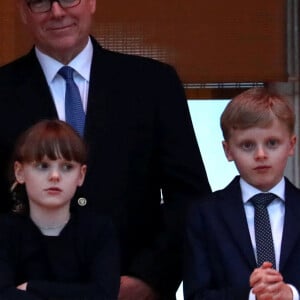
(21, 8)
(19, 172)
(92, 4)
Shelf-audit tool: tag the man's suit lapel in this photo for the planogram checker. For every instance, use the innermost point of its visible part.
(291, 230)
(99, 94)
(232, 210)
(34, 85)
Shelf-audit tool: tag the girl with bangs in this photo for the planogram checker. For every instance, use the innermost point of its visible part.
(48, 250)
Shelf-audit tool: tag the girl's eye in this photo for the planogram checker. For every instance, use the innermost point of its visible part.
(67, 166)
(41, 165)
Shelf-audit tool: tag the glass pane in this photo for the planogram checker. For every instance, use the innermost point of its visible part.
(206, 120)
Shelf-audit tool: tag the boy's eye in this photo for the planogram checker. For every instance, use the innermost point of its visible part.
(247, 146)
(272, 143)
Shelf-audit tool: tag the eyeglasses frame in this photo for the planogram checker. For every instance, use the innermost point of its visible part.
(51, 3)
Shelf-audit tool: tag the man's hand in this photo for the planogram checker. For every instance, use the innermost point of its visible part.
(132, 288)
(268, 284)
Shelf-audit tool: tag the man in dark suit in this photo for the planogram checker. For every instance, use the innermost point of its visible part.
(137, 128)
(223, 251)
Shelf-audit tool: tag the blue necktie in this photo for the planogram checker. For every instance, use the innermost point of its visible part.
(263, 233)
(75, 115)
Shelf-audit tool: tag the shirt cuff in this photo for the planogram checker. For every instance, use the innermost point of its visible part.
(252, 296)
(295, 292)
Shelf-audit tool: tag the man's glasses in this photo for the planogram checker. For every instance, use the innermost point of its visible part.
(42, 6)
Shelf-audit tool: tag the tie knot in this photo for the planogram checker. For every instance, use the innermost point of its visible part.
(262, 199)
(66, 72)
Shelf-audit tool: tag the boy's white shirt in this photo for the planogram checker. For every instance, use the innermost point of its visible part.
(276, 211)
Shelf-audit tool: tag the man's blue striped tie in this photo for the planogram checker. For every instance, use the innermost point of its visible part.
(75, 115)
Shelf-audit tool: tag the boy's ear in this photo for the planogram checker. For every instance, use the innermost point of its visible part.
(19, 172)
(227, 151)
(293, 140)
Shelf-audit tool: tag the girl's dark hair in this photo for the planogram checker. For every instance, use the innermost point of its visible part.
(53, 139)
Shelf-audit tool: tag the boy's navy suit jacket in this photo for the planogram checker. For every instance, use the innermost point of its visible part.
(219, 257)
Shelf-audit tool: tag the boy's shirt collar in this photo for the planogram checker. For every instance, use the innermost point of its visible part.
(248, 191)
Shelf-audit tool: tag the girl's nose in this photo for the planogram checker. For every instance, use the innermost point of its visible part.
(54, 175)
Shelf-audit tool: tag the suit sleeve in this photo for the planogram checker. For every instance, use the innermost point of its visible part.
(200, 266)
(182, 178)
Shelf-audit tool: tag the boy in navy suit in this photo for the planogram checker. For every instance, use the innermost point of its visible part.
(222, 257)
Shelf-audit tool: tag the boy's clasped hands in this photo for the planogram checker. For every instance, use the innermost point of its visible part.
(267, 284)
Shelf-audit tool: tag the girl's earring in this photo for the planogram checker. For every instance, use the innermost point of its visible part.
(18, 206)
(19, 180)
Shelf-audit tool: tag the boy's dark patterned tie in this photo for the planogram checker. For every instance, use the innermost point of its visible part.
(75, 115)
(263, 233)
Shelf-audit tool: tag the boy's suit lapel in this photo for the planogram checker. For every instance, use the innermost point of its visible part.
(291, 229)
(232, 209)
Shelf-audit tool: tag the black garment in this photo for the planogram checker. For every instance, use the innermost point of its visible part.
(140, 141)
(82, 263)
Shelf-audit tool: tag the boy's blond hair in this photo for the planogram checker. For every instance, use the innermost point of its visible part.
(256, 107)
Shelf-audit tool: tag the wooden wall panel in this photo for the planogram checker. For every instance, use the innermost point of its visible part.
(15, 41)
(207, 41)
